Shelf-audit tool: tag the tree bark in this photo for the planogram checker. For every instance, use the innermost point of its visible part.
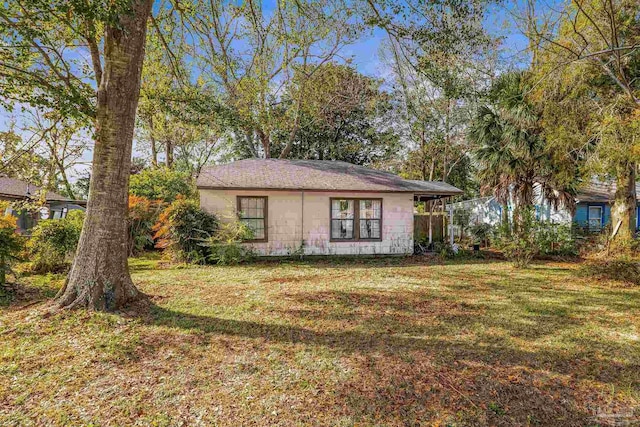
(169, 150)
(624, 209)
(154, 147)
(266, 143)
(505, 217)
(99, 278)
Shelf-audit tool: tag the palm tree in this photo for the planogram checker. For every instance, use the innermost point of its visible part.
(513, 160)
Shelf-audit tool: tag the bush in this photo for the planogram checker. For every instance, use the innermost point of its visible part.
(533, 238)
(555, 239)
(53, 242)
(162, 184)
(521, 245)
(10, 245)
(143, 214)
(519, 249)
(225, 246)
(481, 233)
(183, 228)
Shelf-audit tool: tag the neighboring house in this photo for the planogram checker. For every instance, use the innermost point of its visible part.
(594, 202)
(593, 208)
(317, 207)
(56, 206)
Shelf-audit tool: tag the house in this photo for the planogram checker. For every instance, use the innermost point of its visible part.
(317, 207)
(55, 206)
(593, 208)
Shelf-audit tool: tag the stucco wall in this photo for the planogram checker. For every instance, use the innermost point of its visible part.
(287, 215)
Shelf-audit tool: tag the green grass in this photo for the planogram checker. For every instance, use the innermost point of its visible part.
(331, 342)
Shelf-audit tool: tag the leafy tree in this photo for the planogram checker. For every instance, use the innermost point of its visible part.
(10, 245)
(84, 60)
(62, 144)
(251, 78)
(162, 184)
(587, 68)
(344, 117)
(514, 161)
(18, 158)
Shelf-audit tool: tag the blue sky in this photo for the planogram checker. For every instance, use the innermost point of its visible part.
(366, 56)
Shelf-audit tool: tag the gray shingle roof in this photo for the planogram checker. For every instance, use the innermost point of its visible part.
(600, 192)
(15, 188)
(313, 175)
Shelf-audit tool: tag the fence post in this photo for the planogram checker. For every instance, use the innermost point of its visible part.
(450, 223)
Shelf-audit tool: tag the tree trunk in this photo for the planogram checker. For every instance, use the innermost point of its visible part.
(154, 147)
(99, 278)
(266, 143)
(505, 217)
(3, 271)
(623, 211)
(169, 150)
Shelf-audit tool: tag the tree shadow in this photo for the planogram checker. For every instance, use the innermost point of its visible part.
(626, 272)
(368, 261)
(408, 369)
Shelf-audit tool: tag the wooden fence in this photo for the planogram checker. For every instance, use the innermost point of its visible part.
(421, 227)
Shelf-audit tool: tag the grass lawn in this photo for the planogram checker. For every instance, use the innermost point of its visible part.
(331, 342)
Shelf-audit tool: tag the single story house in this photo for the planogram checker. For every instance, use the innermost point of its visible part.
(316, 207)
(56, 206)
(593, 208)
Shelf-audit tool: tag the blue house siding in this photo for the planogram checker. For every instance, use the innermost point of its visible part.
(581, 216)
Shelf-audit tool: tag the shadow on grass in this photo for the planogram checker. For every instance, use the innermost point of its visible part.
(625, 272)
(369, 261)
(409, 367)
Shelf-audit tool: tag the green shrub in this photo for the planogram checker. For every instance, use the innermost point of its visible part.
(183, 228)
(143, 214)
(162, 184)
(555, 239)
(53, 242)
(10, 246)
(481, 233)
(532, 238)
(519, 249)
(225, 246)
(520, 245)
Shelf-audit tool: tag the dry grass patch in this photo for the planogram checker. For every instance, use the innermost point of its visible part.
(332, 342)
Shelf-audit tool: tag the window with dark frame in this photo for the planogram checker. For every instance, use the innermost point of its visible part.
(356, 219)
(370, 214)
(252, 211)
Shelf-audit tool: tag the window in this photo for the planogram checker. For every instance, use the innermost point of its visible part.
(356, 219)
(595, 217)
(370, 212)
(342, 219)
(253, 213)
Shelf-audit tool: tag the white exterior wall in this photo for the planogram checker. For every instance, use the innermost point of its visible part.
(487, 211)
(291, 221)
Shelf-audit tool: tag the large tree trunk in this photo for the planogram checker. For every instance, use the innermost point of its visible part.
(99, 278)
(623, 211)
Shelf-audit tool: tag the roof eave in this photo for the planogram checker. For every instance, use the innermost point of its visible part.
(335, 190)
